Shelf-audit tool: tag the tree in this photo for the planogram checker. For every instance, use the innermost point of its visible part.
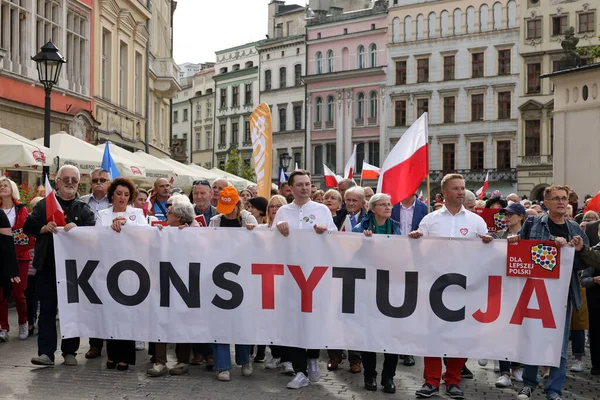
(590, 51)
(236, 165)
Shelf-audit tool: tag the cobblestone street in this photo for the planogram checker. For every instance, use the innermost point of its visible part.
(91, 380)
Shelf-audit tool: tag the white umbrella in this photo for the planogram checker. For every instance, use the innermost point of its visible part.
(17, 151)
(183, 177)
(236, 181)
(154, 171)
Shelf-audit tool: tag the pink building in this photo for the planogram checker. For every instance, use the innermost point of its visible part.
(346, 75)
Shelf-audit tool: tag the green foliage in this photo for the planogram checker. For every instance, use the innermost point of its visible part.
(236, 165)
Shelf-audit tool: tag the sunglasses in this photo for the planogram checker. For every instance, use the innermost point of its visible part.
(99, 180)
(202, 182)
(67, 180)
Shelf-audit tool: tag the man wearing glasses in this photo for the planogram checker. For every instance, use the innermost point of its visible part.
(97, 200)
(77, 213)
(200, 198)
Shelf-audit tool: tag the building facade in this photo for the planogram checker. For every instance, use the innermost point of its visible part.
(187, 70)
(543, 27)
(202, 115)
(345, 78)
(459, 62)
(181, 120)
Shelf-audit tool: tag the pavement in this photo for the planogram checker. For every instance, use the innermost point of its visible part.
(19, 379)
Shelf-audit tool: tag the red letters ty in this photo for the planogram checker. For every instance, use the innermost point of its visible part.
(307, 286)
(544, 312)
(267, 272)
(494, 301)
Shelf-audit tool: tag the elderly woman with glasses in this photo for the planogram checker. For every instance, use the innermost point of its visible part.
(275, 204)
(378, 221)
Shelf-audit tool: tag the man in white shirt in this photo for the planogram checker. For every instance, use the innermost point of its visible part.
(455, 221)
(303, 213)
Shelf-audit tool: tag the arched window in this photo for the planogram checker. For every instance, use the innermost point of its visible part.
(361, 55)
(345, 59)
(268, 79)
(432, 24)
(360, 106)
(444, 23)
(396, 30)
(497, 16)
(329, 109)
(408, 28)
(319, 63)
(457, 21)
(318, 109)
(373, 105)
(470, 20)
(512, 14)
(329, 60)
(373, 55)
(420, 27)
(484, 18)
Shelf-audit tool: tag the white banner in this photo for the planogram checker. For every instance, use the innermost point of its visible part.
(426, 297)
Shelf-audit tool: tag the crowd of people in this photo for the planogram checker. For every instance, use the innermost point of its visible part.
(28, 271)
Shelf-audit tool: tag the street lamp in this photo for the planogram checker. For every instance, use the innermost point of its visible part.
(49, 63)
(284, 161)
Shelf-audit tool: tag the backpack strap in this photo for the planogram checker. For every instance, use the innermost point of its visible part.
(527, 228)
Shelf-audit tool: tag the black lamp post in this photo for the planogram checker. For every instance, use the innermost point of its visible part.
(284, 161)
(49, 63)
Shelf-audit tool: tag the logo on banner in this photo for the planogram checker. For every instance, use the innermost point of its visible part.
(533, 259)
(493, 219)
(132, 217)
(135, 171)
(38, 156)
(499, 221)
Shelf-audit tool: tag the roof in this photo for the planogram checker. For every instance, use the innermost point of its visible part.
(292, 8)
(572, 70)
(269, 42)
(251, 44)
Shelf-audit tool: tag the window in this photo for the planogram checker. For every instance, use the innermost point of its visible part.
(586, 22)
(282, 77)
(400, 113)
(318, 167)
(198, 111)
(247, 135)
(330, 156)
(14, 33)
(423, 70)
(248, 94)
(298, 75)
(49, 20)
(504, 62)
(361, 55)
(198, 142)
(282, 119)
(477, 65)
(400, 72)
(222, 133)
(236, 67)
(329, 109)
(449, 109)
(534, 29)
(329, 60)
(77, 46)
(477, 107)
(504, 105)
(449, 68)
(223, 102)
(106, 47)
(318, 110)
(319, 63)
(297, 117)
(373, 55)
(298, 159)
(208, 140)
(560, 23)
(558, 65)
(374, 153)
(249, 64)
(209, 109)
(422, 106)
(373, 105)
(360, 110)
(503, 155)
(235, 130)
(185, 115)
(532, 138)
(448, 155)
(175, 117)
(533, 78)
(235, 96)
(267, 80)
(137, 83)
(477, 156)
(360, 156)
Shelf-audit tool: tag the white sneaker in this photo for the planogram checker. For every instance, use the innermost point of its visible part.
(140, 345)
(24, 331)
(482, 362)
(496, 366)
(4, 336)
(578, 366)
(247, 369)
(287, 367)
(223, 376)
(503, 382)
(517, 374)
(298, 382)
(157, 370)
(273, 363)
(314, 373)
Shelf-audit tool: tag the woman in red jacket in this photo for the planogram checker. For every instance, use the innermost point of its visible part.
(16, 213)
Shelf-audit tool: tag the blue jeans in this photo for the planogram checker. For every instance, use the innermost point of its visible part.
(557, 377)
(222, 356)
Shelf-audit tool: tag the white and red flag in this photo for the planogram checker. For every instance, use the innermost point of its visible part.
(350, 165)
(331, 179)
(370, 171)
(407, 164)
(54, 211)
(481, 192)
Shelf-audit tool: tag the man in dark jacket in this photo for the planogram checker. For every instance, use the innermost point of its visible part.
(77, 213)
(349, 217)
(412, 207)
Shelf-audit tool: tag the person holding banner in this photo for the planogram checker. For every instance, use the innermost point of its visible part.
(76, 213)
(200, 196)
(303, 213)
(454, 221)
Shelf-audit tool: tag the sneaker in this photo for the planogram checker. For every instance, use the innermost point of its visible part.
(482, 362)
(455, 392)
(157, 370)
(496, 366)
(503, 382)
(555, 397)
(180, 369)
(577, 367)
(273, 363)
(299, 381)
(517, 374)
(466, 373)
(525, 393)
(43, 360)
(247, 369)
(4, 336)
(140, 345)
(427, 390)
(223, 376)
(287, 368)
(314, 374)
(70, 360)
(23, 331)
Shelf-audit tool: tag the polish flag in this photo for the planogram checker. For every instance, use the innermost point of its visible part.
(481, 192)
(54, 211)
(407, 164)
(350, 165)
(331, 179)
(593, 204)
(370, 171)
(146, 206)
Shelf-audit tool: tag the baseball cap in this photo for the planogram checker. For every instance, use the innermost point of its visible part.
(515, 208)
(228, 199)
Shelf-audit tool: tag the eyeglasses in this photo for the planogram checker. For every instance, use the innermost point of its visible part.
(101, 180)
(561, 199)
(202, 182)
(69, 180)
(274, 206)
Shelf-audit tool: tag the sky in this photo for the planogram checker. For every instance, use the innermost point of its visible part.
(202, 27)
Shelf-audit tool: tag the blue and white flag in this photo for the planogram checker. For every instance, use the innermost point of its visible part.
(108, 164)
(283, 177)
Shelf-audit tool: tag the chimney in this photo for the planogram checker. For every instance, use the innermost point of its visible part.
(336, 10)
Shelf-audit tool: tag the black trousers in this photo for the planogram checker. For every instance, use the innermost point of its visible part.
(300, 358)
(203, 349)
(97, 343)
(282, 352)
(369, 361)
(593, 298)
(32, 300)
(121, 351)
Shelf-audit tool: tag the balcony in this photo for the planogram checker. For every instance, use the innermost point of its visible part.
(317, 126)
(359, 122)
(166, 74)
(536, 160)
(328, 124)
(509, 175)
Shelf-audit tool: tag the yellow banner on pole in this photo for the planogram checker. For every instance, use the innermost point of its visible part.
(262, 144)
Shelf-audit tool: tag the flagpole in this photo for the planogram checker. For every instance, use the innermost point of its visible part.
(360, 179)
(428, 195)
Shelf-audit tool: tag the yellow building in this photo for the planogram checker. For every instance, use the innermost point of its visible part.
(134, 73)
